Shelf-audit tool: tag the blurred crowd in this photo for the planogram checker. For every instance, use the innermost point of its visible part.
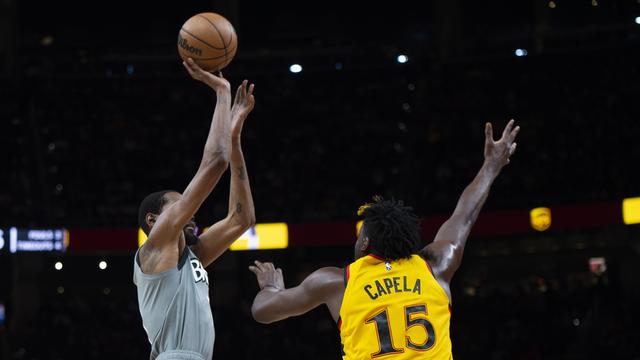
(86, 147)
(91, 123)
(560, 316)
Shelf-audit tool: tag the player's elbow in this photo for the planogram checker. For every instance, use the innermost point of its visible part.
(261, 314)
(248, 221)
(217, 161)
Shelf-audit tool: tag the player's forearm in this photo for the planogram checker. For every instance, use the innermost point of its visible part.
(474, 196)
(241, 207)
(217, 147)
(266, 306)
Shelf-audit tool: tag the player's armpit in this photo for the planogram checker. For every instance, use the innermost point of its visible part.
(324, 286)
(173, 219)
(443, 261)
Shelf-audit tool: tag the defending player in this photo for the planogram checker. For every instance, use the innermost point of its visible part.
(173, 286)
(394, 300)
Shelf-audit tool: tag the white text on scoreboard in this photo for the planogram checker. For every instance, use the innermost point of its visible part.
(38, 239)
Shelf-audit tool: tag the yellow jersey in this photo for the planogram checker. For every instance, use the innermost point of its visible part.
(394, 310)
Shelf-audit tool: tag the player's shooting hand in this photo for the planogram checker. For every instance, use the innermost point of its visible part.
(216, 81)
(497, 153)
(242, 106)
(268, 276)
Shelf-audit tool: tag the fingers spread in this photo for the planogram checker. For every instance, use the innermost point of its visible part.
(254, 269)
(507, 129)
(239, 93)
(193, 66)
(488, 132)
(514, 133)
(251, 87)
(186, 66)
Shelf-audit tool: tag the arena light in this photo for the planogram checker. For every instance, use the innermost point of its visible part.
(102, 265)
(401, 59)
(597, 265)
(263, 236)
(631, 210)
(259, 237)
(58, 265)
(540, 218)
(295, 68)
(638, 20)
(521, 52)
(1, 239)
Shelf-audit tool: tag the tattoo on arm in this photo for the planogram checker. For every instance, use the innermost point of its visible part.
(241, 173)
(238, 208)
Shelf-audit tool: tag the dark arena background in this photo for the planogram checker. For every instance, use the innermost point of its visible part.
(353, 99)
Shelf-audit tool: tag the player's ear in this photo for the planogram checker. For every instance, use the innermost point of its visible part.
(150, 219)
(365, 244)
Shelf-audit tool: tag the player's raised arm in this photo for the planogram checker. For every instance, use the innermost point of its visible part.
(445, 253)
(274, 302)
(241, 215)
(215, 160)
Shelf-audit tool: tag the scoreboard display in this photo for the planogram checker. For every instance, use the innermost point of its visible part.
(16, 240)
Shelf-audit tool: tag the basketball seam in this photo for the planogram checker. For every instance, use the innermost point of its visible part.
(219, 34)
(202, 41)
(213, 58)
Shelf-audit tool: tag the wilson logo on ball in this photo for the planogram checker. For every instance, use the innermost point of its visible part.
(182, 42)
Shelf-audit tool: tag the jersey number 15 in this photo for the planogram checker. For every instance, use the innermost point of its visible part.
(386, 346)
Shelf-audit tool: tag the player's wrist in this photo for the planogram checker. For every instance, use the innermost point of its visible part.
(270, 287)
(492, 167)
(222, 93)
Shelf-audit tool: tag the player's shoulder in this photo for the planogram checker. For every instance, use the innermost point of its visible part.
(433, 253)
(325, 278)
(327, 273)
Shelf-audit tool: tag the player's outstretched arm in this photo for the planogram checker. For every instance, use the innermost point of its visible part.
(215, 160)
(274, 302)
(445, 252)
(241, 215)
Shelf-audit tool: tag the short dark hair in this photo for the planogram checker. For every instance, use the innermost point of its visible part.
(153, 203)
(393, 229)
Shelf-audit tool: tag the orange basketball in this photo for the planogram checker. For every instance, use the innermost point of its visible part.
(209, 39)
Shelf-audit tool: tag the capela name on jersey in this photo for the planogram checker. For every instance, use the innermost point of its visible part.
(392, 285)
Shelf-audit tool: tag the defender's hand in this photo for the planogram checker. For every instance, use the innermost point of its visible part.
(497, 153)
(217, 82)
(242, 106)
(268, 276)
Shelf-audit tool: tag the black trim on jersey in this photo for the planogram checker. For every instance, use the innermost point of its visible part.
(345, 275)
(183, 258)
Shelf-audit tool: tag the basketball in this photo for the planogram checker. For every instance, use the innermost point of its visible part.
(209, 39)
